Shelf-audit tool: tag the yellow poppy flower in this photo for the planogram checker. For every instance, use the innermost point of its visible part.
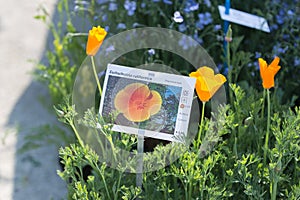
(268, 73)
(95, 39)
(137, 102)
(207, 83)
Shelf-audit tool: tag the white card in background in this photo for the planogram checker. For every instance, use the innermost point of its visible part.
(245, 19)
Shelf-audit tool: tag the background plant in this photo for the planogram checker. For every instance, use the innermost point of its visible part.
(229, 162)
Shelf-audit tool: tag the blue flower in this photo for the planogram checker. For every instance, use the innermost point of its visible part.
(182, 27)
(177, 17)
(297, 61)
(102, 1)
(81, 6)
(257, 55)
(280, 18)
(186, 42)
(135, 25)
(277, 49)
(196, 37)
(76, 8)
(121, 26)
(130, 6)
(102, 73)
(104, 17)
(165, 1)
(286, 36)
(168, 2)
(207, 3)
(151, 52)
(290, 12)
(191, 5)
(254, 65)
(112, 6)
(83, 3)
(106, 28)
(222, 69)
(110, 48)
(217, 27)
(204, 19)
(225, 72)
(273, 27)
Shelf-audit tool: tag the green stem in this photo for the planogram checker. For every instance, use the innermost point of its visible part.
(268, 128)
(229, 70)
(112, 146)
(202, 189)
(201, 124)
(105, 185)
(190, 190)
(76, 133)
(235, 146)
(263, 105)
(274, 190)
(186, 192)
(96, 168)
(96, 76)
(118, 185)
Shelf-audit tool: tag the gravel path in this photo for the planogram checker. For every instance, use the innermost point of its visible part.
(31, 175)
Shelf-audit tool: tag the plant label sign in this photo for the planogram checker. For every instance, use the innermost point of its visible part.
(157, 103)
(245, 19)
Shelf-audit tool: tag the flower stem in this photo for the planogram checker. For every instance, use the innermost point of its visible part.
(76, 133)
(274, 189)
(268, 128)
(263, 105)
(96, 76)
(105, 184)
(229, 69)
(201, 124)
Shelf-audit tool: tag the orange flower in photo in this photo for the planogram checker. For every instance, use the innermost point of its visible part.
(268, 73)
(95, 39)
(207, 83)
(137, 102)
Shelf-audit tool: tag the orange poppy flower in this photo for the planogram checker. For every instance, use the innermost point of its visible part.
(207, 83)
(137, 102)
(95, 39)
(268, 73)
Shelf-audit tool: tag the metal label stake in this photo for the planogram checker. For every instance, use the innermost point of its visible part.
(140, 160)
(226, 24)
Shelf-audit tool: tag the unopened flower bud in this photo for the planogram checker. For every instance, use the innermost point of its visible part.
(228, 37)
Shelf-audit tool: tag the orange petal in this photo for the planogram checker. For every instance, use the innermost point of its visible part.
(131, 88)
(268, 82)
(194, 74)
(202, 83)
(207, 83)
(141, 92)
(203, 95)
(220, 78)
(137, 115)
(275, 62)
(262, 67)
(274, 65)
(95, 39)
(123, 97)
(121, 101)
(215, 89)
(267, 73)
(154, 104)
(206, 72)
(137, 102)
